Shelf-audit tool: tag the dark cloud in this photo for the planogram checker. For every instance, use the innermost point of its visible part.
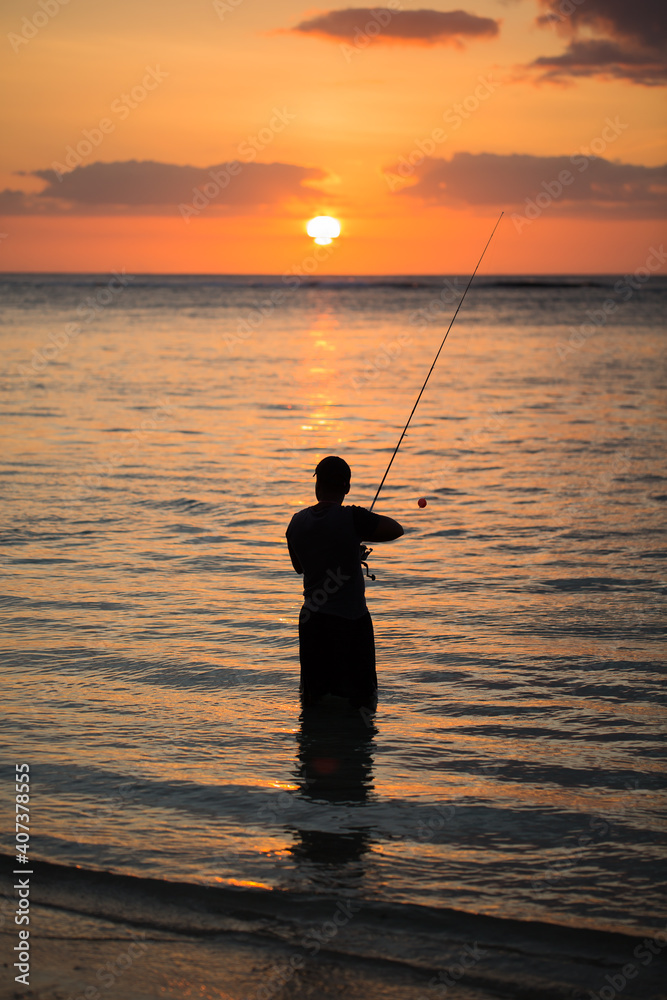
(594, 185)
(416, 27)
(605, 59)
(145, 186)
(608, 39)
(642, 21)
(13, 202)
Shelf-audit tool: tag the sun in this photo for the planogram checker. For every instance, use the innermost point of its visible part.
(324, 229)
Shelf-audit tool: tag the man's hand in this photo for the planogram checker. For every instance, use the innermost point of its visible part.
(364, 552)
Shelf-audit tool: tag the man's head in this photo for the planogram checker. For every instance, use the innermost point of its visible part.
(333, 478)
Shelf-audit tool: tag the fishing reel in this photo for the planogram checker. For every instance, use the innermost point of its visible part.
(364, 553)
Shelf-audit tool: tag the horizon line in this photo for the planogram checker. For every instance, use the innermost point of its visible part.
(379, 274)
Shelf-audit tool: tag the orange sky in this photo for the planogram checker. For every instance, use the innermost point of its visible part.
(415, 127)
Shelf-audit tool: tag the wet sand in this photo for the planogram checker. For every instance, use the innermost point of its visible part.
(99, 936)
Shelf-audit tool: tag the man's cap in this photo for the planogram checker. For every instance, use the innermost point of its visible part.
(333, 470)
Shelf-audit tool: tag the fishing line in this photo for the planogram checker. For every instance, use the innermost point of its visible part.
(434, 361)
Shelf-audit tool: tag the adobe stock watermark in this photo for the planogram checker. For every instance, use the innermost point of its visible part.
(600, 827)
(221, 7)
(615, 983)
(127, 448)
(384, 359)
(293, 278)
(624, 289)
(455, 116)
(446, 297)
(107, 975)
(312, 942)
(127, 790)
(493, 421)
(556, 187)
(204, 194)
(556, 15)
(604, 482)
(122, 106)
(332, 583)
(31, 26)
(88, 310)
(440, 815)
(362, 38)
(560, 869)
(447, 979)
(287, 466)
(419, 321)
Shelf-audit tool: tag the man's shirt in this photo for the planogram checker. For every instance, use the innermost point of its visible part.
(325, 541)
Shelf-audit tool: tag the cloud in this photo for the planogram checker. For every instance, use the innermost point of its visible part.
(603, 59)
(644, 22)
(135, 187)
(412, 27)
(13, 202)
(593, 187)
(608, 39)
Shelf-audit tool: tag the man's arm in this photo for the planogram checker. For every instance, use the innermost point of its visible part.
(386, 530)
(295, 562)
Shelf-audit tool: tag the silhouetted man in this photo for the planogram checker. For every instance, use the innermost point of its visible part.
(336, 643)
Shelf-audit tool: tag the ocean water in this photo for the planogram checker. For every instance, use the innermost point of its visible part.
(159, 433)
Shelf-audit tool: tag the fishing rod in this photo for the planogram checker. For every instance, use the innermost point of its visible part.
(421, 391)
(366, 551)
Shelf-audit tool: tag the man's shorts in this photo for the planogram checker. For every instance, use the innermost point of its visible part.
(337, 657)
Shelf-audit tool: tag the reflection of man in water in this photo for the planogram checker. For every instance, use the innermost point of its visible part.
(336, 644)
(335, 765)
